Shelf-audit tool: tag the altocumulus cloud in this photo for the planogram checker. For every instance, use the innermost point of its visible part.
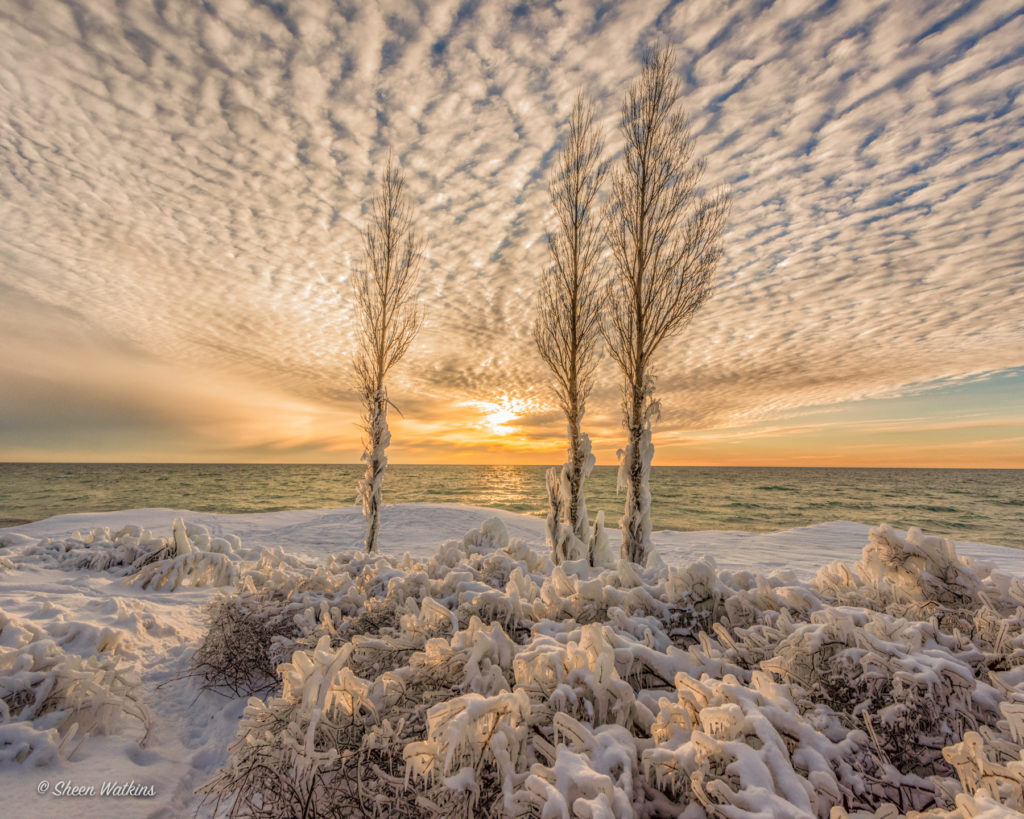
(187, 182)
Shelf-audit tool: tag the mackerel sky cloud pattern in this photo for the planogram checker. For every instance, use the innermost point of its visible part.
(183, 187)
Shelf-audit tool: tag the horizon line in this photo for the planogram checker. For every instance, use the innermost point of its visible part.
(499, 465)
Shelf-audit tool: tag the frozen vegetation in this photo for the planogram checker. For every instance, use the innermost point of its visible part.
(478, 678)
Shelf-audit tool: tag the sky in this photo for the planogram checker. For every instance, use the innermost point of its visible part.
(184, 187)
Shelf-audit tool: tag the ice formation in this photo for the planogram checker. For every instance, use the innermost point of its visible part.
(378, 437)
(573, 478)
(567, 501)
(634, 477)
(598, 549)
(561, 539)
(190, 557)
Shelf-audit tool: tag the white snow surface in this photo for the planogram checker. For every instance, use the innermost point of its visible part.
(155, 632)
(419, 528)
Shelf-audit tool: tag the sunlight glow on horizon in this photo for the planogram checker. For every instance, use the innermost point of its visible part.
(499, 414)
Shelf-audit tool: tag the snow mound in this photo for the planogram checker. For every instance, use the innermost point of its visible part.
(487, 681)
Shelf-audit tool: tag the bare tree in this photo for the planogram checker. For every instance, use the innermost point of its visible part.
(389, 319)
(666, 239)
(568, 326)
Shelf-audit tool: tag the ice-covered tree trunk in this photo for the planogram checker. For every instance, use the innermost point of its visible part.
(560, 538)
(574, 475)
(634, 477)
(376, 460)
(555, 531)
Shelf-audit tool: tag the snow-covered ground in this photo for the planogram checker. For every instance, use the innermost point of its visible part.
(58, 617)
(419, 528)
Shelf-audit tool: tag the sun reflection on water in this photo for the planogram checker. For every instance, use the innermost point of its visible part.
(502, 484)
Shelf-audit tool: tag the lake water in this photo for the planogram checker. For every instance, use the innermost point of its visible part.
(983, 505)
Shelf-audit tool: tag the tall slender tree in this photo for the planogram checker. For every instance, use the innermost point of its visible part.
(665, 237)
(389, 319)
(568, 326)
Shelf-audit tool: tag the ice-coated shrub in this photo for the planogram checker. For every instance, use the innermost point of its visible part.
(190, 557)
(746, 750)
(336, 744)
(470, 738)
(122, 552)
(992, 769)
(246, 638)
(487, 681)
(917, 568)
(290, 755)
(48, 695)
(887, 676)
(586, 773)
(579, 678)
(919, 577)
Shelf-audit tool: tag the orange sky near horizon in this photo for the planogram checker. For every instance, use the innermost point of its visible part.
(525, 431)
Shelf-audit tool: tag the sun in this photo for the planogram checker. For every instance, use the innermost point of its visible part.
(499, 414)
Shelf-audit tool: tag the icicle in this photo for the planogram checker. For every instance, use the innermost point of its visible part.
(599, 550)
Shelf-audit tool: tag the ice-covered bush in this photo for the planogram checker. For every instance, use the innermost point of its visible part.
(744, 749)
(190, 557)
(886, 675)
(247, 637)
(585, 772)
(337, 744)
(487, 681)
(919, 577)
(48, 694)
(121, 552)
